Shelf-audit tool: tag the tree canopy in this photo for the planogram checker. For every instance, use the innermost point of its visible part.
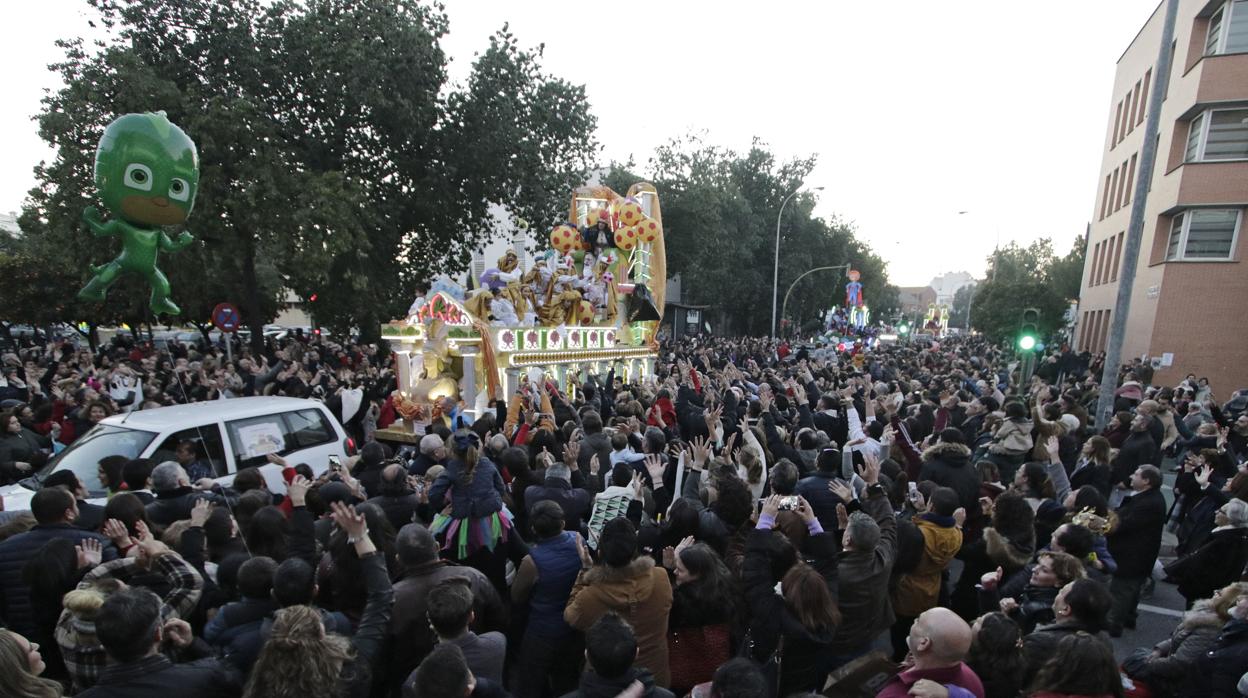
(335, 158)
(719, 217)
(1026, 277)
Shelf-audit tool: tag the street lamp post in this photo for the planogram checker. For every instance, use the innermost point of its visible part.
(775, 275)
(785, 306)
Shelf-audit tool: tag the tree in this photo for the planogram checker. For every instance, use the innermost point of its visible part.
(335, 159)
(719, 218)
(1026, 277)
(961, 305)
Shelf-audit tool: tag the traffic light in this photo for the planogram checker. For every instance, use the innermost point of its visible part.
(1029, 329)
(904, 329)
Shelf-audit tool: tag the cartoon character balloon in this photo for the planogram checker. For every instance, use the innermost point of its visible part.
(853, 290)
(147, 173)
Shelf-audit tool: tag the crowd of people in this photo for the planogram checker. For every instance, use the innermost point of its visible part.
(758, 519)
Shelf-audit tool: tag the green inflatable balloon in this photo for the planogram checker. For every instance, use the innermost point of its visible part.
(147, 172)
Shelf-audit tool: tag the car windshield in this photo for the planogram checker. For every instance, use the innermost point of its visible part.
(84, 455)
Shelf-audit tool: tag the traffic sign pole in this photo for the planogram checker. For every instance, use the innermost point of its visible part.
(227, 319)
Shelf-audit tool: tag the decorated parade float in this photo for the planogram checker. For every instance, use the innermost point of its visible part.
(588, 304)
(936, 320)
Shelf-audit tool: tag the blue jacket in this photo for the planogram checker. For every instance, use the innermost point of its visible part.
(15, 607)
(479, 498)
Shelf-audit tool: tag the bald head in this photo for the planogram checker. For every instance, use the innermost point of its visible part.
(939, 638)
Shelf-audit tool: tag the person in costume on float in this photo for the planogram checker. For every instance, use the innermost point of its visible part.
(147, 173)
(509, 276)
(477, 527)
(564, 301)
(598, 236)
(501, 309)
(537, 286)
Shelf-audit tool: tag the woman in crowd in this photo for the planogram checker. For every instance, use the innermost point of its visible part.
(790, 633)
(1032, 481)
(1093, 467)
(1082, 666)
(996, 655)
(1165, 667)
(703, 613)
(1008, 543)
(301, 660)
(20, 667)
(22, 451)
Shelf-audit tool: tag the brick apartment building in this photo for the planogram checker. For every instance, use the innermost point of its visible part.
(1189, 302)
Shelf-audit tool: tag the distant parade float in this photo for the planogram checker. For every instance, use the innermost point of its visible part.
(589, 304)
(856, 308)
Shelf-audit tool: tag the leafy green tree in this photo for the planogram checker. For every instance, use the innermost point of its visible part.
(335, 159)
(719, 216)
(1026, 277)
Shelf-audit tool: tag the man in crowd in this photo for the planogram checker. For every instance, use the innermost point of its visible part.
(1135, 543)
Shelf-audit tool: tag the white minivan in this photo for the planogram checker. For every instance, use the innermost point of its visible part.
(230, 434)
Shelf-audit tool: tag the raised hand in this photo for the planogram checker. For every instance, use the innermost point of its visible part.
(842, 517)
(841, 490)
(200, 512)
(298, 490)
(870, 470)
(804, 510)
(771, 506)
(654, 466)
(90, 553)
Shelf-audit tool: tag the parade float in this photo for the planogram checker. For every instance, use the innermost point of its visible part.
(936, 321)
(590, 303)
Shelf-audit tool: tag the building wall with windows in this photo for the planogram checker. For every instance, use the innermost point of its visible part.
(1191, 285)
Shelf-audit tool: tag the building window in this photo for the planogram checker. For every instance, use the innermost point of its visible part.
(1117, 257)
(1130, 179)
(1148, 76)
(1203, 234)
(1228, 29)
(1218, 134)
(1105, 198)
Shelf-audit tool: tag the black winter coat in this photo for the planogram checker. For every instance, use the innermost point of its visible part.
(1139, 449)
(1136, 541)
(1097, 475)
(805, 656)
(157, 677)
(949, 465)
(15, 607)
(815, 489)
(1217, 672)
(1215, 564)
(176, 505)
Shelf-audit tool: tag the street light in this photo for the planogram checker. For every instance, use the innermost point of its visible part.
(775, 276)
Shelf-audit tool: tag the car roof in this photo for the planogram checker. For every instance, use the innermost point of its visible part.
(210, 411)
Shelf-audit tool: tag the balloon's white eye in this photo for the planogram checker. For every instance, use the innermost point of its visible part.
(138, 177)
(179, 190)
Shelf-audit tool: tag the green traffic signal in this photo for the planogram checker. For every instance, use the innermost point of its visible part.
(904, 329)
(1026, 342)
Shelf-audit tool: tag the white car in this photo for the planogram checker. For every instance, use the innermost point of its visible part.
(230, 435)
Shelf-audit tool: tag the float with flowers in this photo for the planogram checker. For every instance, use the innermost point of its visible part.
(591, 302)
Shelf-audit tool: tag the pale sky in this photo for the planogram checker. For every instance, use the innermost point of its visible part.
(916, 110)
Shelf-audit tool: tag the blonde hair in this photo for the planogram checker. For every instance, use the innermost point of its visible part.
(299, 660)
(16, 679)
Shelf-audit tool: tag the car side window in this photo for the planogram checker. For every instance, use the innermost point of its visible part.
(209, 452)
(256, 437)
(307, 428)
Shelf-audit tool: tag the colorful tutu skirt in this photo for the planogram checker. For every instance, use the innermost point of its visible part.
(463, 537)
